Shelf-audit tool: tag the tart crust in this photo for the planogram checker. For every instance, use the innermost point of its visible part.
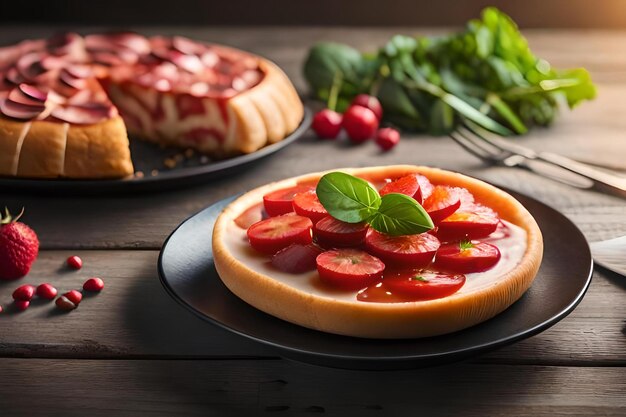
(382, 320)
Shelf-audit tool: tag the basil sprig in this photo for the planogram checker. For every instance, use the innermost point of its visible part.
(354, 200)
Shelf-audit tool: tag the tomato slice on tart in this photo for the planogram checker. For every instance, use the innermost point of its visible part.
(442, 202)
(407, 185)
(415, 250)
(419, 284)
(473, 222)
(281, 201)
(426, 187)
(467, 257)
(349, 269)
(308, 205)
(330, 232)
(297, 258)
(275, 233)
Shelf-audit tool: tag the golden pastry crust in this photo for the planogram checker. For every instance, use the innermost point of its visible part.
(382, 320)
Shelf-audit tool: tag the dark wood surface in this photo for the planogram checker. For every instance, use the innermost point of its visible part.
(132, 350)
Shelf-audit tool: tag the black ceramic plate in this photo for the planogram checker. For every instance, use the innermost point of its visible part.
(187, 272)
(148, 157)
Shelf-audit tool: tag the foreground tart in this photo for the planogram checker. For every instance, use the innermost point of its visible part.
(298, 263)
(67, 102)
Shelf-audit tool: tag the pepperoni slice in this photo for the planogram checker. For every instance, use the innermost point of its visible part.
(423, 285)
(280, 201)
(271, 235)
(331, 232)
(414, 250)
(467, 257)
(349, 269)
(308, 205)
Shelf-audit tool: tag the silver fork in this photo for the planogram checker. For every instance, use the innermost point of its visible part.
(498, 151)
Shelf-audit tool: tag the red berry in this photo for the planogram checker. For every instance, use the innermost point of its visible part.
(24, 293)
(74, 296)
(360, 123)
(370, 102)
(21, 305)
(74, 262)
(93, 284)
(327, 124)
(64, 303)
(387, 138)
(46, 291)
(19, 248)
(1, 309)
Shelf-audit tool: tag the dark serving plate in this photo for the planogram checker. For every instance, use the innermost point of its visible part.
(187, 272)
(148, 157)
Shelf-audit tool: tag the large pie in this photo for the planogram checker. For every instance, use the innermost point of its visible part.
(495, 219)
(67, 102)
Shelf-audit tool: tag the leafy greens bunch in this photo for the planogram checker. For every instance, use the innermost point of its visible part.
(486, 74)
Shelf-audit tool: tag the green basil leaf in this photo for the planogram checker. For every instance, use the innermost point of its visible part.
(347, 198)
(399, 215)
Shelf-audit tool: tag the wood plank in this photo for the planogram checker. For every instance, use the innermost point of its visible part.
(243, 387)
(134, 318)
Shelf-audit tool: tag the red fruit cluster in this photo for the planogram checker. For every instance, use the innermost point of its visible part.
(360, 122)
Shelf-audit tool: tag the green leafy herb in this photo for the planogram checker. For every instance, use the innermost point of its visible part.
(485, 73)
(399, 214)
(347, 198)
(353, 200)
(418, 278)
(465, 244)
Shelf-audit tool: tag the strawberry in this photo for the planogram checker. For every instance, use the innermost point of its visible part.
(19, 247)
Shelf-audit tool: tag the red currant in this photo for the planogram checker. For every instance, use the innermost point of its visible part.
(21, 305)
(327, 124)
(360, 123)
(370, 102)
(74, 296)
(387, 138)
(74, 262)
(64, 303)
(24, 293)
(93, 284)
(46, 291)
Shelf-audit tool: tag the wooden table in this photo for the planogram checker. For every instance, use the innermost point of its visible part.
(132, 350)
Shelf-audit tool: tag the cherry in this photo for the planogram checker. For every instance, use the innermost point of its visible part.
(46, 291)
(369, 102)
(1, 309)
(21, 305)
(93, 284)
(360, 123)
(74, 262)
(387, 138)
(327, 123)
(64, 303)
(24, 293)
(74, 296)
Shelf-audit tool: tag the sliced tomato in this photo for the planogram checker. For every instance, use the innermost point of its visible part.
(273, 234)
(280, 201)
(477, 257)
(349, 269)
(407, 185)
(414, 250)
(308, 205)
(331, 232)
(442, 202)
(419, 284)
(469, 222)
(296, 258)
(426, 187)
(250, 216)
